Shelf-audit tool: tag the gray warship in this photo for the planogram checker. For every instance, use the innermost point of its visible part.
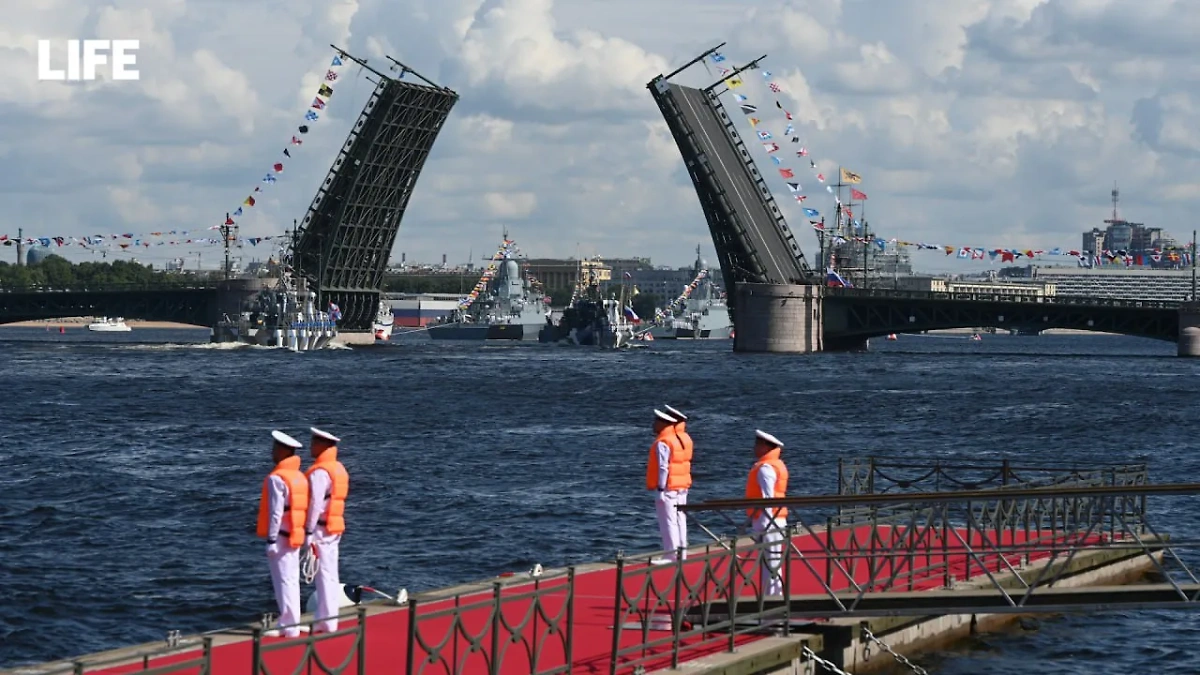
(284, 316)
(699, 312)
(503, 306)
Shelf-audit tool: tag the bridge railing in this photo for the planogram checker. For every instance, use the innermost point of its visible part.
(111, 287)
(1068, 300)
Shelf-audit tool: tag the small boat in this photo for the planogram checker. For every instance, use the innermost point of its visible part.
(108, 325)
(891, 337)
(384, 321)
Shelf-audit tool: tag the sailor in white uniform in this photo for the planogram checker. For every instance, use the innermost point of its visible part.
(768, 480)
(325, 527)
(282, 557)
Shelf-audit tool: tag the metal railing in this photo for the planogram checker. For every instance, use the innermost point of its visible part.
(103, 287)
(474, 633)
(880, 475)
(314, 659)
(1072, 300)
(943, 539)
(192, 655)
(840, 555)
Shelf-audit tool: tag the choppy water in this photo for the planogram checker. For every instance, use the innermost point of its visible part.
(132, 469)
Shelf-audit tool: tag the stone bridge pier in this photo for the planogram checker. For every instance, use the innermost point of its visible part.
(778, 318)
(1189, 329)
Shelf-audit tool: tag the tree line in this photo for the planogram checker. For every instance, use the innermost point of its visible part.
(58, 273)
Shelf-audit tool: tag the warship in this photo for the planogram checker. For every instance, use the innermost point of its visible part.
(284, 316)
(699, 312)
(502, 306)
(592, 320)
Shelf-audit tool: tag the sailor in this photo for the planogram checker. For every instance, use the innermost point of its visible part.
(669, 472)
(328, 484)
(768, 480)
(281, 518)
(685, 440)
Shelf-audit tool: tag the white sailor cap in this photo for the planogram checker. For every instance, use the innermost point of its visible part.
(675, 413)
(325, 435)
(768, 438)
(283, 439)
(660, 416)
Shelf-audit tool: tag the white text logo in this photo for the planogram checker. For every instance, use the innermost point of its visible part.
(81, 64)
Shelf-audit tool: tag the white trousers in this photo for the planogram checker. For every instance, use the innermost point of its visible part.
(672, 524)
(770, 557)
(285, 576)
(328, 586)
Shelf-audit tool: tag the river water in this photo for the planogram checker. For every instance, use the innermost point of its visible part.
(133, 467)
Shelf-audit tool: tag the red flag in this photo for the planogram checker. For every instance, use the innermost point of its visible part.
(855, 194)
(278, 168)
(229, 221)
(787, 173)
(296, 141)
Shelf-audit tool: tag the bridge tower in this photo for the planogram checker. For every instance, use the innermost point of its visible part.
(774, 296)
(344, 241)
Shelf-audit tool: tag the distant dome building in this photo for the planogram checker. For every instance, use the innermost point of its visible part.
(36, 255)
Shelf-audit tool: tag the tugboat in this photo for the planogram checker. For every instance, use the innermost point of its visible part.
(284, 317)
(502, 306)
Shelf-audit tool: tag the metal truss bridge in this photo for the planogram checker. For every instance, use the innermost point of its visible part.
(346, 238)
(755, 245)
(852, 315)
(196, 304)
(752, 238)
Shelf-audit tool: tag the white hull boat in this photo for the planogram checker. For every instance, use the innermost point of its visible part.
(107, 325)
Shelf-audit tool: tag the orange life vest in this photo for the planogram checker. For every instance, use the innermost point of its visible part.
(754, 491)
(679, 466)
(295, 511)
(334, 519)
(684, 439)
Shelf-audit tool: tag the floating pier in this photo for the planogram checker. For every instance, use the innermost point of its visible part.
(906, 558)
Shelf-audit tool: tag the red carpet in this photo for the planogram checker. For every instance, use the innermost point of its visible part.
(530, 636)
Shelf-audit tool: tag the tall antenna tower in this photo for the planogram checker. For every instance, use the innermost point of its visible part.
(1116, 196)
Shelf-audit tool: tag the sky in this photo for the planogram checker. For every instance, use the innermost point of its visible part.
(998, 124)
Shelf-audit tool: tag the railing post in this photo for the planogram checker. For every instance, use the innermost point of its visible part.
(967, 552)
(731, 593)
(362, 640)
(206, 655)
(790, 533)
(618, 594)
(412, 637)
(677, 615)
(568, 649)
(256, 650)
(494, 664)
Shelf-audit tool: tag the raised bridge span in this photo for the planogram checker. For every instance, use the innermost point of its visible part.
(778, 302)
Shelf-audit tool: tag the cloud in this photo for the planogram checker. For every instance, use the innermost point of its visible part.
(974, 123)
